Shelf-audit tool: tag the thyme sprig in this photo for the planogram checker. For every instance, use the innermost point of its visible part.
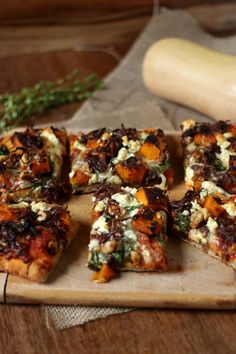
(16, 108)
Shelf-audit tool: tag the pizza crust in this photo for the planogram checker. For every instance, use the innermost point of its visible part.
(209, 252)
(35, 270)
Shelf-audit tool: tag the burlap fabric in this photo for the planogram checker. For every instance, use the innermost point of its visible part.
(126, 100)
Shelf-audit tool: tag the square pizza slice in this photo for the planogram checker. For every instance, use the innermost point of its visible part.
(33, 237)
(33, 165)
(210, 154)
(207, 219)
(128, 230)
(123, 156)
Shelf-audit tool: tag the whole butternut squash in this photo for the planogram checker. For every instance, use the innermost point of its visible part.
(185, 72)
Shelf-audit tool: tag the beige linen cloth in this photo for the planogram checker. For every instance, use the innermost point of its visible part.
(126, 100)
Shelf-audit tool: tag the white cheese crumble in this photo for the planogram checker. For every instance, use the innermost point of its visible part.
(106, 176)
(71, 174)
(37, 206)
(146, 255)
(185, 212)
(55, 149)
(79, 146)
(228, 135)
(106, 135)
(143, 135)
(162, 185)
(187, 124)
(212, 225)
(101, 204)
(230, 208)
(126, 152)
(197, 236)
(114, 179)
(125, 140)
(134, 146)
(224, 154)
(123, 154)
(191, 147)
(19, 205)
(130, 190)
(189, 173)
(211, 188)
(100, 225)
(196, 207)
(94, 245)
(130, 234)
(125, 200)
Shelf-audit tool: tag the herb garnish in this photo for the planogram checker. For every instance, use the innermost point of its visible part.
(218, 165)
(16, 108)
(183, 221)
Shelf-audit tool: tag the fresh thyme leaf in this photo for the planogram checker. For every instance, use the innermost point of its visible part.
(218, 165)
(16, 108)
(183, 221)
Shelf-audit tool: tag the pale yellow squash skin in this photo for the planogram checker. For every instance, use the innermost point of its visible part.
(195, 76)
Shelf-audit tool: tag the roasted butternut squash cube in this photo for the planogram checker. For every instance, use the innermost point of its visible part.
(213, 206)
(131, 171)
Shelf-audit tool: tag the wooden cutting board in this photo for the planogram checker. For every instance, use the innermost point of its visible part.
(193, 279)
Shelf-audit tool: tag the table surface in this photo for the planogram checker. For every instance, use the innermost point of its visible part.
(23, 328)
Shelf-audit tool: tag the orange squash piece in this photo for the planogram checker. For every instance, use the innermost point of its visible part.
(131, 174)
(204, 139)
(147, 226)
(142, 197)
(150, 151)
(169, 176)
(232, 129)
(92, 143)
(105, 274)
(148, 197)
(80, 178)
(40, 167)
(6, 214)
(214, 208)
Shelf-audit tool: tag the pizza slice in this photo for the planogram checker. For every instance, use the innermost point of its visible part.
(33, 165)
(206, 219)
(123, 156)
(210, 154)
(128, 231)
(33, 237)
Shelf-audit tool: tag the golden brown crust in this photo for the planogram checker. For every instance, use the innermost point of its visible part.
(209, 252)
(35, 270)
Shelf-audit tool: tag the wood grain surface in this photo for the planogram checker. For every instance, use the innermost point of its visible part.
(23, 328)
(45, 26)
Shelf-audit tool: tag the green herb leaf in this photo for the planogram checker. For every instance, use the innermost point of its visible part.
(17, 107)
(162, 168)
(218, 165)
(183, 222)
